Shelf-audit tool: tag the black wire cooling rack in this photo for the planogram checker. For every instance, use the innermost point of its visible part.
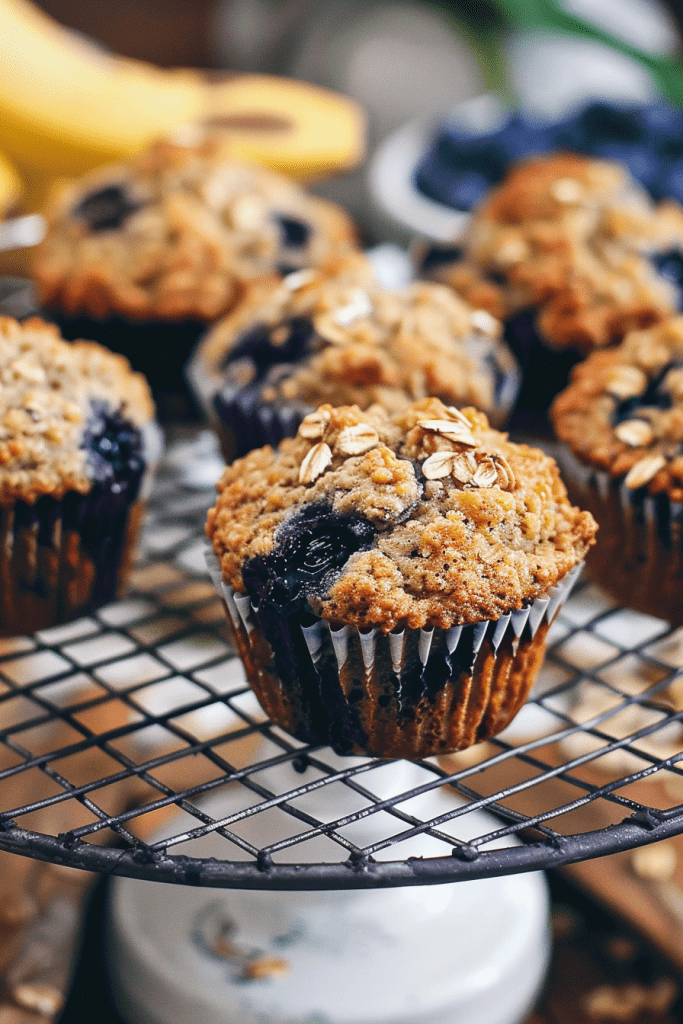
(130, 744)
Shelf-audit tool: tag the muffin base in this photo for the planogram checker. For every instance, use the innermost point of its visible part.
(638, 558)
(62, 558)
(545, 371)
(400, 695)
(157, 349)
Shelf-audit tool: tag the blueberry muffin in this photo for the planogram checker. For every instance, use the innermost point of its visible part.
(77, 440)
(142, 255)
(335, 335)
(621, 420)
(389, 580)
(572, 253)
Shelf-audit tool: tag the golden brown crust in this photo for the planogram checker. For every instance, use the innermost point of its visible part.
(203, 227)
(374, 345)
(469, 525)
(46, 389)
(642, 443)
(571, 236)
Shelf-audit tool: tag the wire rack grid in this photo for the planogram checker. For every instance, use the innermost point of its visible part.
(130, 744)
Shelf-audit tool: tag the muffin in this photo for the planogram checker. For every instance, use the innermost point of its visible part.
(77, 439)
(621, 420)
(335, 335)
(572, 253)
(142, 255)
(390, 580)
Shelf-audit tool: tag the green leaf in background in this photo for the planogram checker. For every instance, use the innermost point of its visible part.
(485, 24)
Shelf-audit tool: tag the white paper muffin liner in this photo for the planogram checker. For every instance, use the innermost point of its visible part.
(638, 556)
(61, 558)
(410, 693)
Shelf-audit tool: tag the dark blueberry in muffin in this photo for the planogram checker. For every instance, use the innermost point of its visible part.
(310, 549)
(670, 266)
(261, 357)
(265, 346)
(436, 255)
(115, 449)
(295, 233)
(655, 396)
(107, 209)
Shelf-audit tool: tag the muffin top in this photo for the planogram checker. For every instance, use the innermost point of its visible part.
(335, 335)
(176, 232)
(623, 410)
(70, 414)
(581, 241)
(427, 518)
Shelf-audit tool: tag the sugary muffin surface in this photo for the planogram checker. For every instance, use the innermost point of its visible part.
(428, 518)
(623, 410)
(175, 233)
(581, 241)
(53, 395)
(359, 342)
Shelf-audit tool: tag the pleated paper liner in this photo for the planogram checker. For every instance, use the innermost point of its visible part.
(60, 558)
(408, 694)
(638, 557)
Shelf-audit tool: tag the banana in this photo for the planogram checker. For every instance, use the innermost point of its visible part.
(10, 187)
(293, 127)
(67, 106)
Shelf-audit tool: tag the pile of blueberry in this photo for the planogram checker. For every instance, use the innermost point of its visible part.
(460, 167)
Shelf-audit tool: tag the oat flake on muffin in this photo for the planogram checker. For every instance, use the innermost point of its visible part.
(335, 335)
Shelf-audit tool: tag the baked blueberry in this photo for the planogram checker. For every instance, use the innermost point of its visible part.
(107, 209)
(436, 255)
(295, 233)
(670, 184)
(670, 265)
(309, 549)
(114, 448)
(265, 345)
(655, 396)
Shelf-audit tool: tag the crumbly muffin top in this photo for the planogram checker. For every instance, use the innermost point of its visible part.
(176, 232)
(50, 393)
(623, 410)
(425, 518)
(578, 239)
(364, 343)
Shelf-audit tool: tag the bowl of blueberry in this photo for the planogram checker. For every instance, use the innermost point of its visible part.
(428, 178)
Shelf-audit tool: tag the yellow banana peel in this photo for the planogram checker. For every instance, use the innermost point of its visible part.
(67, 106)
(291, 126)
(10, 187)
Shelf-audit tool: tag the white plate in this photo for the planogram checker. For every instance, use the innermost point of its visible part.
(391, 173)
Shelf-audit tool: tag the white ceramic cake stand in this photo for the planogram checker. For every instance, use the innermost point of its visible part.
(471, 952)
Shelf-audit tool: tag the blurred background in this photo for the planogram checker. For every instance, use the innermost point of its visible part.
(418, 70)
(407, 60)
